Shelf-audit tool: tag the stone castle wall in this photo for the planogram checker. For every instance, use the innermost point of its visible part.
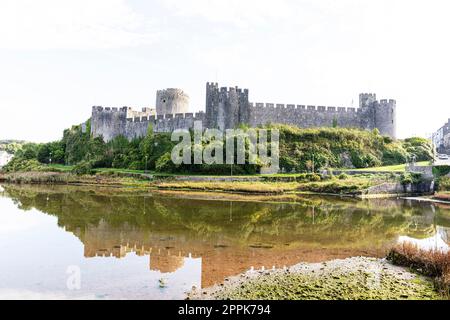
(111, 123)
(309, 116)
(380, 115)
(226, 108)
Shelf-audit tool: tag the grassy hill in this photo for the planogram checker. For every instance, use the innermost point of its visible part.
(301, 150)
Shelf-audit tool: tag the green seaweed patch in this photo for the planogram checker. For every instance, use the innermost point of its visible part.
(358, 285)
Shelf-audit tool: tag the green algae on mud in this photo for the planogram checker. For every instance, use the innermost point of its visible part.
(350, 279)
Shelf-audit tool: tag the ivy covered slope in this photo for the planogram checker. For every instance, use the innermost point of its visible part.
(301, 150)
(346, 148)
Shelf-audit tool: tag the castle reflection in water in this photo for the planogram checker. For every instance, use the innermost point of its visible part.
(230, 238)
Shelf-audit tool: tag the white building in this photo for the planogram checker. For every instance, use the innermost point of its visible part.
(5, 157)
(441, 138)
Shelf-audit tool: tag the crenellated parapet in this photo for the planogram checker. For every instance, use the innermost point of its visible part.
(366, 99)
(293, 107)
(100, 109)
(199, 116)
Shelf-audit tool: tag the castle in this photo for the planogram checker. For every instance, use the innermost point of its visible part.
(226, 108)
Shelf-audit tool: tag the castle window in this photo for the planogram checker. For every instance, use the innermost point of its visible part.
(164, 100)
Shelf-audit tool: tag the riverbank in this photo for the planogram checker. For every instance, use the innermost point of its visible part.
(362, 186)
(348, 279)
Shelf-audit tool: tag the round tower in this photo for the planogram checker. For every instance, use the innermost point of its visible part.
(171, 101)
(385, 117)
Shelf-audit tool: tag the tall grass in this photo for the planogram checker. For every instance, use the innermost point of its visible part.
(37, 177)
(431, 263)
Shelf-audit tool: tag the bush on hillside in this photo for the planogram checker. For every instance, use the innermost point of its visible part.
(421, 148)
(84, 167)
(444, 184)
(25, 165)
(303, 149)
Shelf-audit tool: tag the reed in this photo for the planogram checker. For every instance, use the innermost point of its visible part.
(431, 263)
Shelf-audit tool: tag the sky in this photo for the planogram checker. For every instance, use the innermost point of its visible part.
(58, 58)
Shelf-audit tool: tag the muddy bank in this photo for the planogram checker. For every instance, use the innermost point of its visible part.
(349, 279)
(357, 187)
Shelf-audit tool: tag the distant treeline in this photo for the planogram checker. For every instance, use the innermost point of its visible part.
(11, 146)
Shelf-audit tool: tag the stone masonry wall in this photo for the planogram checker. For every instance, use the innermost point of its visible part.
(308, 116)
(110, 123)
(226, 108)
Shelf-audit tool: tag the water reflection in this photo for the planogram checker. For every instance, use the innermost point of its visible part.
(132, 245)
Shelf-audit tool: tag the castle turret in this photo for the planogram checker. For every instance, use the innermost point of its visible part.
(226, 108)
(385, 117)
(171, 101)
(212, 104)
(108, 122)
(378, 114)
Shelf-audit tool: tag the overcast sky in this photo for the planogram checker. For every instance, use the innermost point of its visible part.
(58, 58)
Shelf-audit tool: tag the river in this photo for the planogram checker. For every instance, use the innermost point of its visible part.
(71, 242)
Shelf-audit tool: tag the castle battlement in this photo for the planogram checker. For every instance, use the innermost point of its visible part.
(113, 109)
(299, 107)
(387, 102)
(198, 116)
(231, 90)
(368, 95)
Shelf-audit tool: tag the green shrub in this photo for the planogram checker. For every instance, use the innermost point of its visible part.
(343, 176)
(28, 151)
(84, 167)
(23, 165)
(394, 154)
(440, 171)
(410, 178)
(421, 148)
(362, 160)
(165, 164)
(52, 152)
(444, 184)
(314, 177)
